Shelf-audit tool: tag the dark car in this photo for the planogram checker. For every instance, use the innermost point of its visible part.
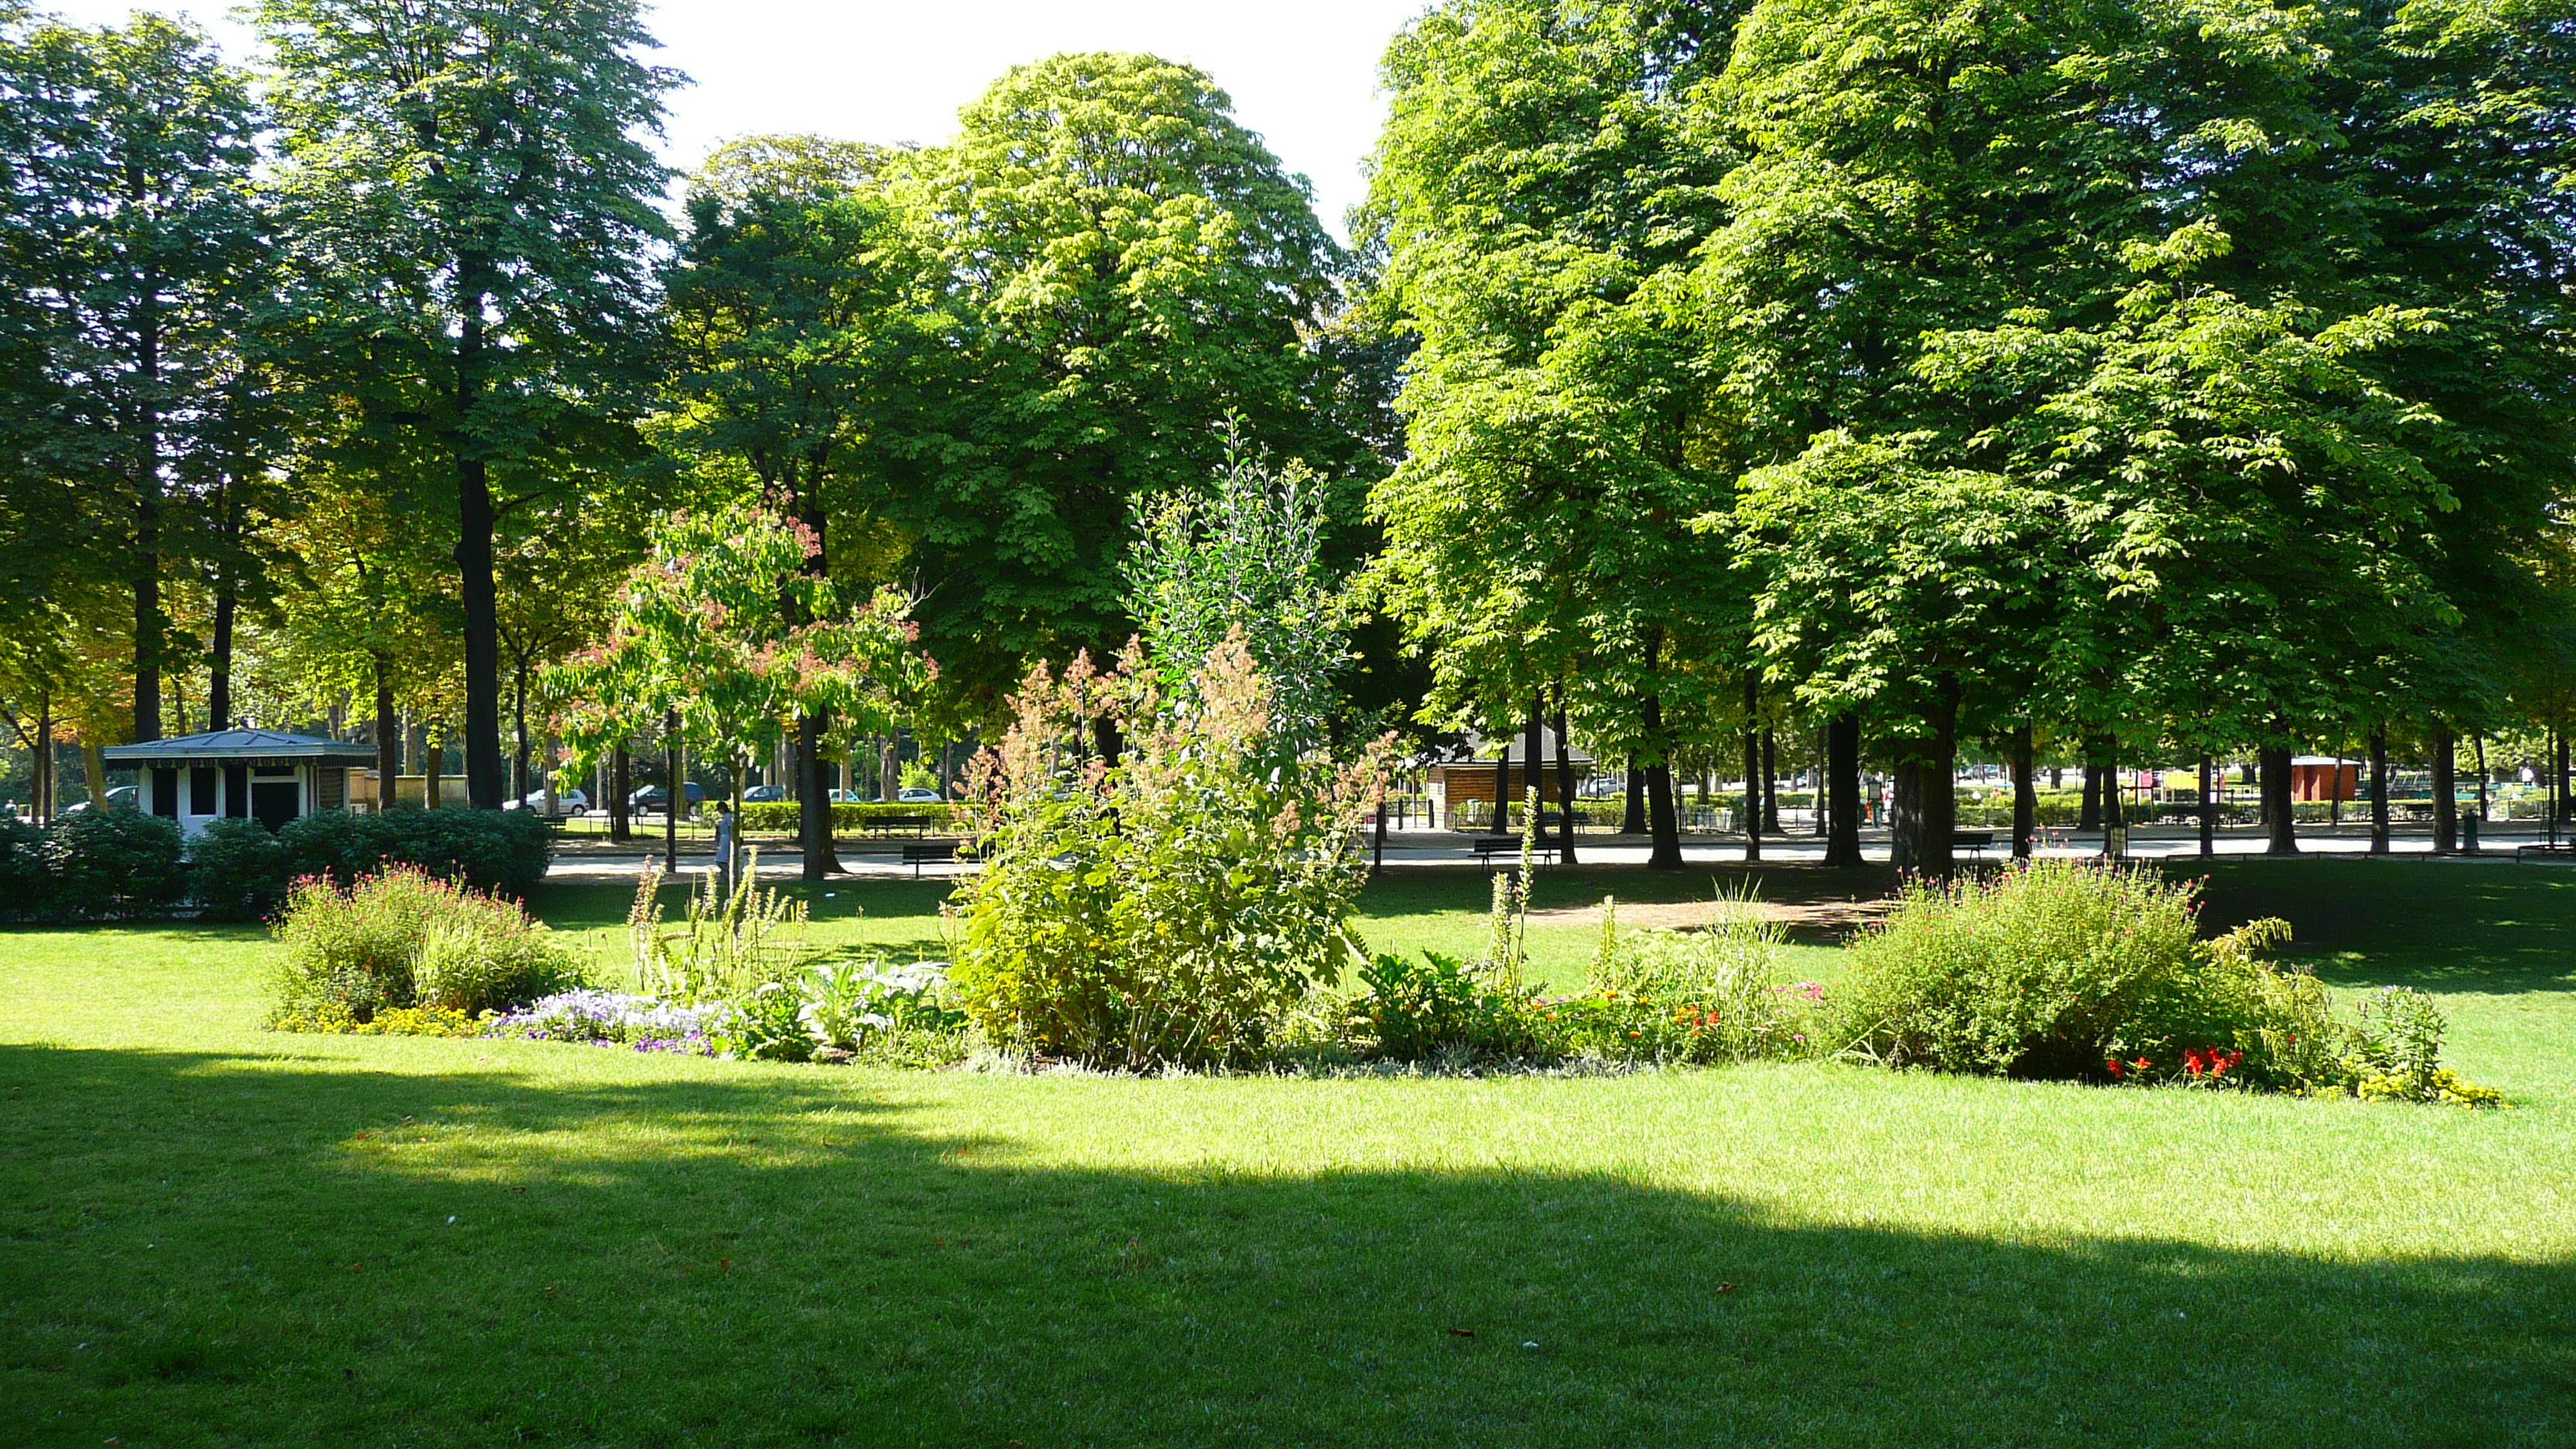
(763, 794)
(648, 800)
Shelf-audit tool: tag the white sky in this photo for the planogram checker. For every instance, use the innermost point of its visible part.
(1304, 75)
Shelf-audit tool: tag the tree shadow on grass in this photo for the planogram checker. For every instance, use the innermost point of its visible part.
(2442, 925)
(222, 1249)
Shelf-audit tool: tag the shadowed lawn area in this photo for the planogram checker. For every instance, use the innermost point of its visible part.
(214, 1235)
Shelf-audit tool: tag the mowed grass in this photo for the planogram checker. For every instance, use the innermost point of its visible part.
(215, 1235)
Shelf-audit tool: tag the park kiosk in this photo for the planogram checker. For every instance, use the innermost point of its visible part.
(265, 775)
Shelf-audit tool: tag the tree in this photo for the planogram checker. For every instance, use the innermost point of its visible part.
(723, 628)
(791, 276)
(1535, 188)
(470, 201)
(155, 258)
(1122, 267)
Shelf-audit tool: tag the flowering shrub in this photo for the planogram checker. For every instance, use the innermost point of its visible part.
(845, 1005)
(1414, 1010)
(1710, 995)
(400, 940)
(2056, 969)
(1173, 905)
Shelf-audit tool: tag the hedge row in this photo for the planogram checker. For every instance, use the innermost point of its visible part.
(124, 865)
(780, 815)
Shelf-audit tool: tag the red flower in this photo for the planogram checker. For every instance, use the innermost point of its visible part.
(2112, 1065)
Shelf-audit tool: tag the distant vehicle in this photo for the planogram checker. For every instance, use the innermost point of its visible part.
(123, 797)
(764, 794)
(848, 797)
(648, 800)
(567, 802)
(915, 795)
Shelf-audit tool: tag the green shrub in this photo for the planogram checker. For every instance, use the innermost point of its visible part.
(1440, 1006)
(781, 815)
(22, 868)
(502, 852)
(2033, 972)
(112, 864)
(1172, 907)
(238, 870)
(403, 939)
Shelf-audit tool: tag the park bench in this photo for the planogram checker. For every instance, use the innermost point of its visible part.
(2522, 853)
(928, 852)
(885, 825)
(1979, 841)
(1488, 846)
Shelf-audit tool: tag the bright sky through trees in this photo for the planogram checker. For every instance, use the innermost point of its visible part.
(1303, 76)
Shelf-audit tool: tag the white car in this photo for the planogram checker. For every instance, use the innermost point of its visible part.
(567, 802)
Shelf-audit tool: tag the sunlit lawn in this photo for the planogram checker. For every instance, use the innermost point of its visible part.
(214, 1235)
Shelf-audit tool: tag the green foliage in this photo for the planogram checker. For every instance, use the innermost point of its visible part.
(1121, 266)
(2036, 971)
(22, 868)
(1171, 906)
(402, 939)
(112, 864)
(854, 1005)
(782, 814)
(238, 869)
(1438, 1006)
(733, 941)
(503, 852)
(2397, 1053)
(1708, 995)
(1249, 557)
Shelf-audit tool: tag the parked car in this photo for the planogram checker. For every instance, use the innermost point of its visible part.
(571, 802)
(915, 795)
(123, 797)
(764, 794)
(848, 797)
(648, 800)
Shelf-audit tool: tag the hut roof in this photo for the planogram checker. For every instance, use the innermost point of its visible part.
(239, 745)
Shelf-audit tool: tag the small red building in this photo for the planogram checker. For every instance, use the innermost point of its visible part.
(2323, 777)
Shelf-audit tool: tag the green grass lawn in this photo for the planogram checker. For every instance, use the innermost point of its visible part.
(214, 1235)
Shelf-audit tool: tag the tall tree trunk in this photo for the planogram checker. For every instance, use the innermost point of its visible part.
(388, 739)
(1771, 782)
(621, 815)
(484, 784)
(2090, 818)
(1533, 777)
(2208, 811)
(45, 755)
(1817, 797)
(94, 774)
(2280, 821)
(219, 661)
(1632, 820)
(1842, 783)
(672, 793)
(1564, 784)
(1502, 822)
(151, 627)
(2446, 808)
(519, 730)
(1661, 816)
(2558, 787)
(2480, 742)
(822, 857)
(2379, 844)
(2025, 762)
(1752, 767)
(1926, 802)
(433, 766)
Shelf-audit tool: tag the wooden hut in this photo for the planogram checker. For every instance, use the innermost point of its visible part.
(1479, 774)
(264, 775)
(2323, 777)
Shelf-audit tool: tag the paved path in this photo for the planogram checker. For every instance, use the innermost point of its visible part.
(1419, 849)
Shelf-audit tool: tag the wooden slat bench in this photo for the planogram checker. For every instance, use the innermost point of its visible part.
(1508, 846)
(885, 825)
(1979, 841)
(2544, 852)
(928, 852)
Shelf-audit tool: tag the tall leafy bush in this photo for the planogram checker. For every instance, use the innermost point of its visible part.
(22, 868)
(238, 870)
(403, 939)
(112, 864)
(1168, 906)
